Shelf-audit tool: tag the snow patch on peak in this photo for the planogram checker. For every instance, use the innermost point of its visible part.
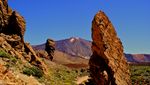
(77, 38)
(72, 39)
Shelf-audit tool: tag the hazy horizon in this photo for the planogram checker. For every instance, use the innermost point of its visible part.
(63, 19)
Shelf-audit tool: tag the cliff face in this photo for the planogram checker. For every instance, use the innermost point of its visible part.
(12, 29)
(10, 21)
(107, 64)
(5, 13)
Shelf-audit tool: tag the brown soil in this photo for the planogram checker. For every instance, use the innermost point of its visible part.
(76, 65)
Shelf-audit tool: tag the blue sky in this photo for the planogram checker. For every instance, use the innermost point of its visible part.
(60, 19)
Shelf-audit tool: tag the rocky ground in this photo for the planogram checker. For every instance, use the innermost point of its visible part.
(20, 64)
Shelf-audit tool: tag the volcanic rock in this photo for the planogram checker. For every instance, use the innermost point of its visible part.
(5, 13)
(16, 25)
(50, 48)
(10, 21)
(12, 29)
(108, 65)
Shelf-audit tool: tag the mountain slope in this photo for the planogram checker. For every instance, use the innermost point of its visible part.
(75, 46)
(138, 57)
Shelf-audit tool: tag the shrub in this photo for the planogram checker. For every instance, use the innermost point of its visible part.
(11, 58)
(4, 54)
(35, 71)
(140, 75)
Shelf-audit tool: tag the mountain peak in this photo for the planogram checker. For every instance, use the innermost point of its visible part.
(77, 38)
(72, 39)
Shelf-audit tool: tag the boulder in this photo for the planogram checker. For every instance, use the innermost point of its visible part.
(108, 65)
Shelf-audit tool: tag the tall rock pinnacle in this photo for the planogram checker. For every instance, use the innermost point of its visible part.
(108, 65)
(50, 48)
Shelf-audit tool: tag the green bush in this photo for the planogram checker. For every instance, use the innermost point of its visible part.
(4, 54)
(11, 58)
(35, 71)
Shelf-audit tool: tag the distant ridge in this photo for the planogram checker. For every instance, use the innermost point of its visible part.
(73, 46)
(76, 46)
(138, 59)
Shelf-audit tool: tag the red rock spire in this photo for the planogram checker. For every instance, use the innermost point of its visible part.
(108, 65)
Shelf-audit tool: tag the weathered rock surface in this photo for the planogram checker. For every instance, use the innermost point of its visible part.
(34, 59)
(12, 29)
(5, 13)
(108, 65)
(16, 25)
(50, 48)
(46, 50)
(10, 21)
(8, 77)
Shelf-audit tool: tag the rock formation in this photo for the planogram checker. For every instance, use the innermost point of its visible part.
(108, 65)
(16, 25)
(12, 29)
(45, 50)
(10, 21)
(50, 48)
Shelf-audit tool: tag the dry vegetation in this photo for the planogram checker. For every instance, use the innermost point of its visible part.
(58, 74)
(140, 75)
